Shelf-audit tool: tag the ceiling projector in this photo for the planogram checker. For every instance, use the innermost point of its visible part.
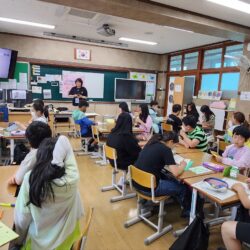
(106, 30)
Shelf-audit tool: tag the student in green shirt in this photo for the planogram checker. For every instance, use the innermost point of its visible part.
(192, 135)
(79, 113)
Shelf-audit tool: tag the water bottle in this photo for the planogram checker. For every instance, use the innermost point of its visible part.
(234, 172)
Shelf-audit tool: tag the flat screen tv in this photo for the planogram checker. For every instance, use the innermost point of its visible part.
(130, 90)
(8, 59)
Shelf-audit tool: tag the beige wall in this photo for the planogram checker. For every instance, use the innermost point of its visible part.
(62, 51)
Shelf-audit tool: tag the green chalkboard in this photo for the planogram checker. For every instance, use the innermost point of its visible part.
(42, 70)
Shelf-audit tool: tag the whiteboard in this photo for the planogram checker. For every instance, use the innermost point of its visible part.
(93, 82)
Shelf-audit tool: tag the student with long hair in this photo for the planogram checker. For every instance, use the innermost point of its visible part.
(35, 134)
(208, 119)
(145, 122)
(157, 158)
(123, 106)
(192, 110)
(48, 207)
(122, 139)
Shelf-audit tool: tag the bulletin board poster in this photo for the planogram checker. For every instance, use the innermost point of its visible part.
(150, 83)
(93, 82)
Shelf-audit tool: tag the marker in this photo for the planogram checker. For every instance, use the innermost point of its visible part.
(7, 205)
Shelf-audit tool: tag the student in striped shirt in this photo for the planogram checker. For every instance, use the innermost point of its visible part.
(192, 135)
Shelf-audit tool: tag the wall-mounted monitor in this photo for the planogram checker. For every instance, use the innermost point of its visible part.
(130, 90)
(8, 59)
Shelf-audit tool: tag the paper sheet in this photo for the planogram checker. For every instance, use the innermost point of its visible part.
(50, 78)
(231, 182)
(33, 83)
(6, 234)
(23, 78)
(47, 94)
(177, 88)
(18, 94)
(200, 170)
(23, 86)
(36, 90)
(41, 79)
(222, 196)
(12, 83)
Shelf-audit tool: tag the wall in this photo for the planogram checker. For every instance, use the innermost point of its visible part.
(62, 51)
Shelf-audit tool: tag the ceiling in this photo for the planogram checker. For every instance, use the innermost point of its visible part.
(210, 9)
(168, 39)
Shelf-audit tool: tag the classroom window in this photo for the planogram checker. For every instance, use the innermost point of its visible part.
(230, 81)
(210, 82)
(175, 63)
(212, 58)
(234, 50)
(191, 61)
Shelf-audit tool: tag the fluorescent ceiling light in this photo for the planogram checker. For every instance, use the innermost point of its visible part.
(234, 4)
(189, 31)
(41, 25)
(136, 41)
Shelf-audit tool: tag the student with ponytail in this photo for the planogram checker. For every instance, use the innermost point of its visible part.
(48, 207)
(157, 158)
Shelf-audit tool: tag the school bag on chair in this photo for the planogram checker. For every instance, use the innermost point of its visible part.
(20, 152)
(195, 237)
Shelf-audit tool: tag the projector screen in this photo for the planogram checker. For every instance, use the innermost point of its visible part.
(126, 89)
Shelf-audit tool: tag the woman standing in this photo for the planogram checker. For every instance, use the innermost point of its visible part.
(78, 92)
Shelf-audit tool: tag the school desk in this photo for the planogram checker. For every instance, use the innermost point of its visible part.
(12, 139)
(180, 149)
(231, 202)
(105, 130)
(7, 193)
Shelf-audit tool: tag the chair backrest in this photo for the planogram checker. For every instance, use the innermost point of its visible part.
(166, 127)
(142, 178)
(79, 244)
(110, 152)
(223, 145)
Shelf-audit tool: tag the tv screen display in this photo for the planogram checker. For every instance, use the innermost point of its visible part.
(8, 59)
(126, 89)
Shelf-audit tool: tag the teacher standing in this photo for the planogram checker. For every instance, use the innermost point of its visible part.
(78, 92)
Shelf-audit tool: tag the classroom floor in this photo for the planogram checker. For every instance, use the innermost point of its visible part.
(107, 231)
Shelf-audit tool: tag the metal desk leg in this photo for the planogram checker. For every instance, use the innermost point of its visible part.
(12, 147)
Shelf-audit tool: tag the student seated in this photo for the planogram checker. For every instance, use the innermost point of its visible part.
(191, 110)
(173, 119)
(122, 139)
(48, 207)
(237, 154)
(157, 158)
(207, 119)
(39, 113)
(80, 118)
(154, 116)
(35, 134)
(192, 135)
(144, 122)
(236, 232)
(236, 120)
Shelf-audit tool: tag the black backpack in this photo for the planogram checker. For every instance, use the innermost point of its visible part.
(20, 152)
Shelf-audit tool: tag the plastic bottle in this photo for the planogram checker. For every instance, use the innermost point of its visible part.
(234, 172)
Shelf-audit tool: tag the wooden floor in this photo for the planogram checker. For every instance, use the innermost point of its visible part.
(107, 231)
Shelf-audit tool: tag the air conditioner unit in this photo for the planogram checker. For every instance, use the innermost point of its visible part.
(106, 30)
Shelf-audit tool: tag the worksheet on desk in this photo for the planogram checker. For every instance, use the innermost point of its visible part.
(6, 234)
(231, 182)
(178, 159)
(219, 195)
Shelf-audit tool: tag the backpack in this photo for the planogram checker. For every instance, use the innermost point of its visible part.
(20, 152)
(195, 237)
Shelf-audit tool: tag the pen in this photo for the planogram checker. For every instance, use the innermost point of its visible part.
(7, 205)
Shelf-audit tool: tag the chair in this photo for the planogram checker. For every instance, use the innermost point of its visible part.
(166, 127)
(222, 145)
(111, 155)
(100, 153)
(79, 244)
(148, 180)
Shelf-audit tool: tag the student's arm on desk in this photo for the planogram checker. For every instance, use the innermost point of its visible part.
(21, 125)
(187, 142)
(240, 190)
(177, 170)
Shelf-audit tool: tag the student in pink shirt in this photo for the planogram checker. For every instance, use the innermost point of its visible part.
(237, 154)
(145, 122)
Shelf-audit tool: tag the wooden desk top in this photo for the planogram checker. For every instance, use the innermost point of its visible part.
(16, 137)
(230, 201)
(107, 131)
(7, 193)
(179, 149)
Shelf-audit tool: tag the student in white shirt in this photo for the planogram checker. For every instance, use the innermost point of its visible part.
(39, 113)
(48, 207)
(35, 133)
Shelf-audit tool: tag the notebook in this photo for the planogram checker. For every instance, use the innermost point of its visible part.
(6, 234)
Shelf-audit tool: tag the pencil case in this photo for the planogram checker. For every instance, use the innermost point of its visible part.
(213, 166)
